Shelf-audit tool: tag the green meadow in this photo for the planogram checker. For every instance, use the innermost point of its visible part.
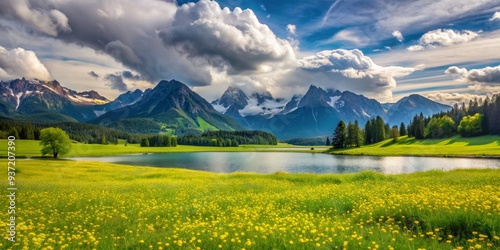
(86, 205)
(457, 146)
(483, 146)
(31, 148)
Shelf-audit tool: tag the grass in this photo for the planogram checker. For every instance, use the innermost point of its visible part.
(205, 125)
(85, 205)
(31, 148)
(483, 146)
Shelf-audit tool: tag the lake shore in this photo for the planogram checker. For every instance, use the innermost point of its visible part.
(31, 148)
(454, 147)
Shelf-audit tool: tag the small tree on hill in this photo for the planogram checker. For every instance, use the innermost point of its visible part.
(328, 143)
(54, 141)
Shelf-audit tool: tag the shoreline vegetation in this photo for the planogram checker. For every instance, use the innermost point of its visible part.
(31, 149)
(100, 207)
(457, 146)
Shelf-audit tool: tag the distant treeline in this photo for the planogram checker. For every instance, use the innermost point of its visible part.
(316, 141)
(82, 132)
(229, 138)
(159, 141)
(94, 134)
(478, 118)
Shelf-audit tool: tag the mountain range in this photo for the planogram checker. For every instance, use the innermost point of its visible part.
(317, 112)
(172, 107)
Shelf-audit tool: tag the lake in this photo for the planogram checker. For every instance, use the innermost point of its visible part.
(270, 162)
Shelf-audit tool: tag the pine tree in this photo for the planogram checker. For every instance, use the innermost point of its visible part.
(402, 129)
(486, 116)
(339, 136)
(351, 135)
(358, 137)
(368, 132)
(328, 143)
(14, 132)
(379, 129)
(419, 127)
(103, 139)
(387, 129)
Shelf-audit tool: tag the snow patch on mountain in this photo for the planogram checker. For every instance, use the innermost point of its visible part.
(219, 107)
(339, 105)
(333, 100)
(266, 108)
(99, 112)
(18, 96)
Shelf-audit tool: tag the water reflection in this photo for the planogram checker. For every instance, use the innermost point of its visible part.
(270, 162)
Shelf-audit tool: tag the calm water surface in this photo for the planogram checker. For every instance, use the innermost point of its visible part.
(270, 162)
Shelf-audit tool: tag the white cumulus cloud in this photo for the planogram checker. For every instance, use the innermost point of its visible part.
(453, 98)
(443, 38)
(21, 63)
(197, 43)
(495, 16)
(45, 19)
(482, 80)
(454, 70)
(291, 28)
(397, 34)
(484, 76)
(352, 70)
(234, 39)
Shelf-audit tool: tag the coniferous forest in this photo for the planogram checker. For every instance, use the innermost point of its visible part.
(94, 134)
(479, 117)
(81, 132)
(229, 138)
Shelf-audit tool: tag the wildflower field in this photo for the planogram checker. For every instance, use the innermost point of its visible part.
(88, 205)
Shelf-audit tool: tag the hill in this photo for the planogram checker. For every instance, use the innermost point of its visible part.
(174, 107)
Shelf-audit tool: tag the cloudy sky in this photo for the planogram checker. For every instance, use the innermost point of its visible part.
(447, 50)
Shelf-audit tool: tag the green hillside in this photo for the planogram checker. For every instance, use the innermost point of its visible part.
(456, 146)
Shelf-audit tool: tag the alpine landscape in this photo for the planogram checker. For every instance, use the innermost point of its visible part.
(250, 124)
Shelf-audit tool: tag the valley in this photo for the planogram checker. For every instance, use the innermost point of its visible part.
(250, 125)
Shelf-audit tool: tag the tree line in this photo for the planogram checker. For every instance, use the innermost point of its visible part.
(478, 118)
(375, 130)
(95, 134)
(229, 138)
(82, 132)
(159, 141)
